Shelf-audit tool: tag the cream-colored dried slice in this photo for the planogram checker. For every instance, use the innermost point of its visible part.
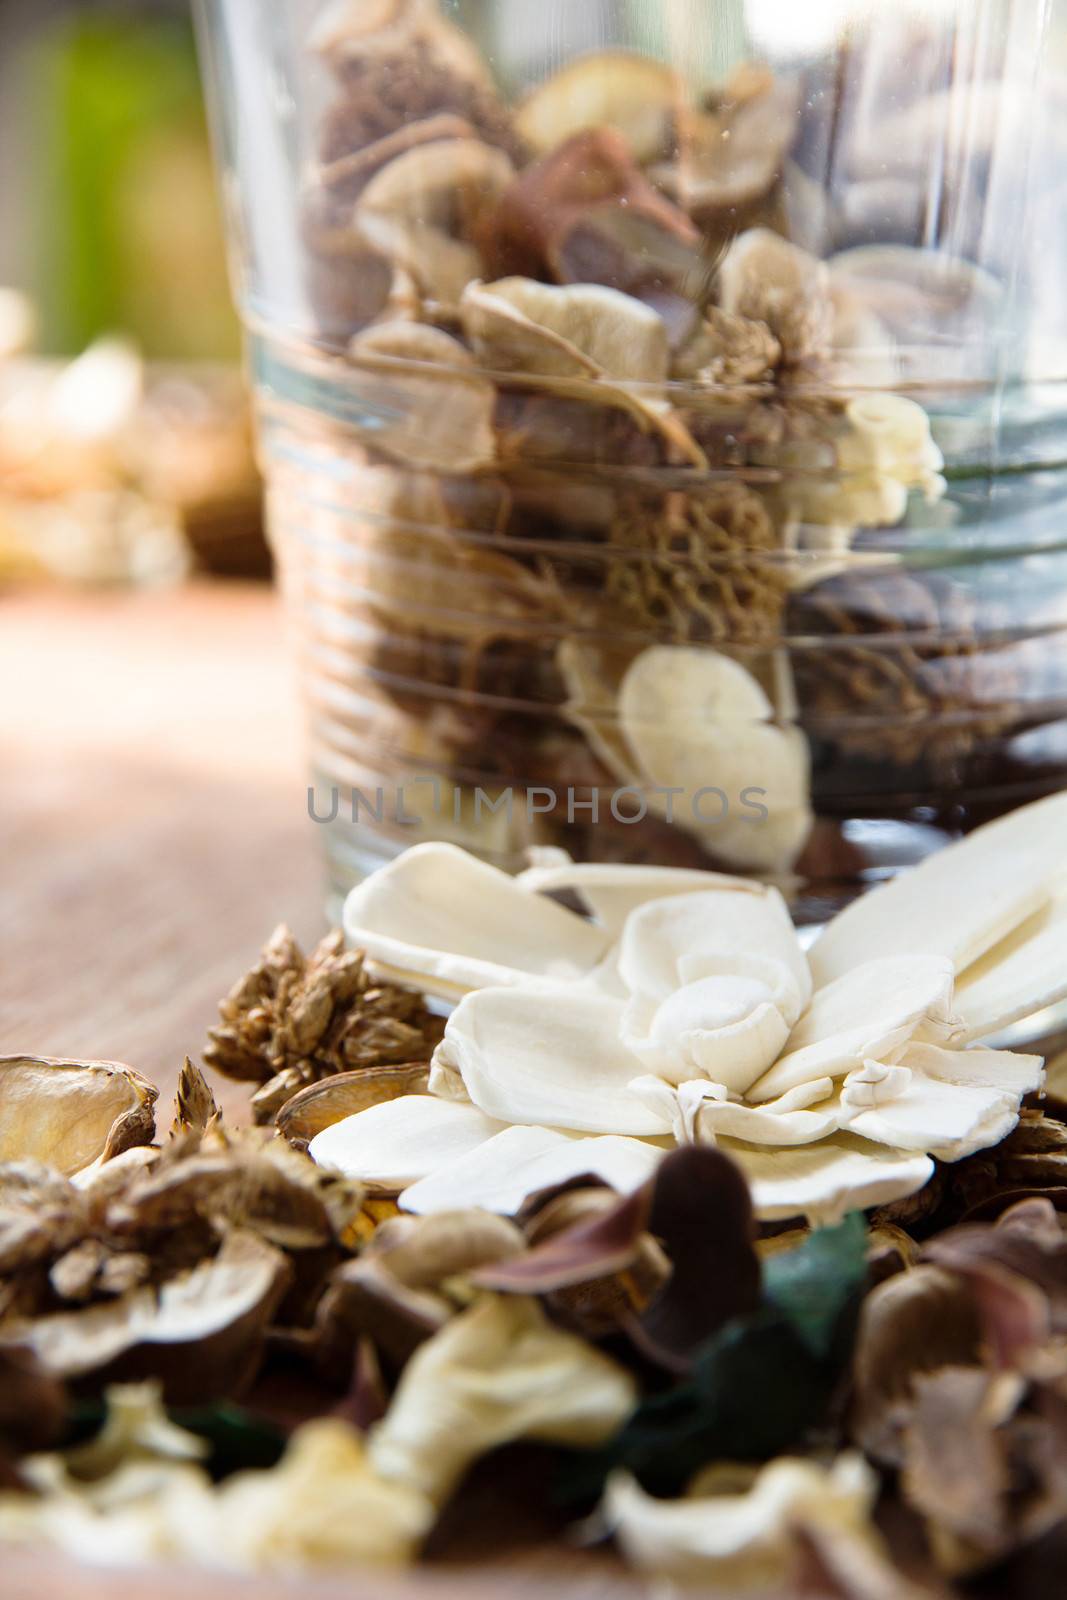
(360, 30)
(1019, 977)
(499, 1371)
(428, 406)
(826, 1180)
(548, 1058)
(869, 1013)
(572, 330)
(959, 902)
(681, 938)
(420, 210)
(500, 1174)
(66, 1113)
(402, 1141)
(613, 89)
(444, 922)
(728, 160)
(743, 1529)
(696, 722)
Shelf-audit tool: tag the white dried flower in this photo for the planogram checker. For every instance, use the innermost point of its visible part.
(683, 1009)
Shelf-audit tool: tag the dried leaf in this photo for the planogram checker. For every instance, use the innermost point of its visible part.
(69, 1114)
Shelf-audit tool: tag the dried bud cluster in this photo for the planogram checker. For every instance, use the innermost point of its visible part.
(293, 1020)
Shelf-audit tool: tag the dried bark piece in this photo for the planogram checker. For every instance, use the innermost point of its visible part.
(322, 1104)
(302, 1019)
(69, 1113)
(629, 93)
(767, 279)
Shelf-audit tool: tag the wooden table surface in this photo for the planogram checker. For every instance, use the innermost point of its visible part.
(153, 830)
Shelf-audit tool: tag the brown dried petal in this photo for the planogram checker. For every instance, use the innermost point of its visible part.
(65, 1112)
(916, 1322)
(200, 1333)
(430, 407)
(320, 1105)
(423, 209)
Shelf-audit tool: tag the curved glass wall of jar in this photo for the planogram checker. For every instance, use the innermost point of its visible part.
(663, 410)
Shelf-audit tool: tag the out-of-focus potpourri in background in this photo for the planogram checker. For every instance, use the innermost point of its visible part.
(125, 443)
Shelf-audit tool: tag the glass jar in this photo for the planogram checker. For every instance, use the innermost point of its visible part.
(662, 410)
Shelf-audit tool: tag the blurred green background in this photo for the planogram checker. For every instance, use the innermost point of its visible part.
(109, 217)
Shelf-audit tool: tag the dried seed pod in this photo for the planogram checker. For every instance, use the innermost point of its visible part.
(69, 1113)
(320, 1105)
(630, 93)
(728, 349)
(304, 1019)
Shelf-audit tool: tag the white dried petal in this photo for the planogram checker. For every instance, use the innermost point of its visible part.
(1019, 977)
(394, 1144)
(795, 1118)
(613, 89)
(872, 1085)
(411, 208)
(498, 1372)
(446, 923)
(826, 1180)
(501, 1174)
(548, 1058)
(577, 330)
(740, 1529)
(726, 1028)
(611, 891)
(960, 901)
(718, 929)
(947, 1120)
(869, 1013)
